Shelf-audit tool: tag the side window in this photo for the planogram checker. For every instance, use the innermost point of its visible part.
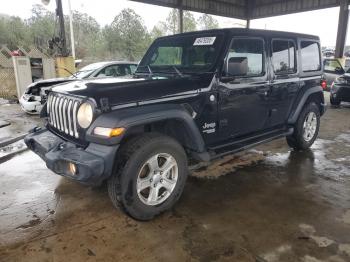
(245, 58)
(310, 56)
(283, 57)
(333, 66)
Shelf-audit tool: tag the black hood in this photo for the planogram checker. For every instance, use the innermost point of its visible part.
(129, 90)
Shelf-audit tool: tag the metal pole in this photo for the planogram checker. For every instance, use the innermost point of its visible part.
(181, 20)
(62, 34)
(342, 28)
(247, 24)
(71, 29)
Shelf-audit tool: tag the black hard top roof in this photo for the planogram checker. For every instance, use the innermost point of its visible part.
(245, 31)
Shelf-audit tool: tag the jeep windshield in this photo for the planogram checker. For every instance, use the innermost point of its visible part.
(182, 54)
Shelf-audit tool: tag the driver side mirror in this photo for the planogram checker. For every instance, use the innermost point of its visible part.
(237, 66)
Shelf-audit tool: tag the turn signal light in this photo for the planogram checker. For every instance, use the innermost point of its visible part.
(109, 132)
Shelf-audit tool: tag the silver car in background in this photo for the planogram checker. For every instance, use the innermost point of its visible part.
(35, 95)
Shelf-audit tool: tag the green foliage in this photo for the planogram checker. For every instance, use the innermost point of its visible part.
(207, 22)
(41, 26)
(127, 35)
(87, 35)
(13, 32)
(125, 38)
(173, 22)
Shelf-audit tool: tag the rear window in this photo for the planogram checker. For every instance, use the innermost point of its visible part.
(310, 56)
(283, 56)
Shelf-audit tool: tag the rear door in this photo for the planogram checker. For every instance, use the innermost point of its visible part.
(284, 84)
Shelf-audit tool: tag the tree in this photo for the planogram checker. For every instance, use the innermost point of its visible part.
(158, 30)
(207, 22)
(127, 35)
(41, 26)
(173, 22)
(87, 35)
(13, 32)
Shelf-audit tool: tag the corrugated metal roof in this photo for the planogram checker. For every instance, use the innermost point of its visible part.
(246, 9)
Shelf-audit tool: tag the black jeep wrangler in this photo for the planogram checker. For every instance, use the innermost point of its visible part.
(194, 97)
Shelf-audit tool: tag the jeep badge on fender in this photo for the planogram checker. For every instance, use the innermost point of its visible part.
(195, 97)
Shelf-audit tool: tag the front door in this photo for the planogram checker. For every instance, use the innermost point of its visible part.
(244, 89)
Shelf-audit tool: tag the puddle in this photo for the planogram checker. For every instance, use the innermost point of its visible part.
(346, 217)
(317, 160)
(344, 249)
(276, 254)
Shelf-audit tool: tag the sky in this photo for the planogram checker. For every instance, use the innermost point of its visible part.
(321, 22)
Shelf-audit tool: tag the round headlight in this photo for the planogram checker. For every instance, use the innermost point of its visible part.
(85, 115)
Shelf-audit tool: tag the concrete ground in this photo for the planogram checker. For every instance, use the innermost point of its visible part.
(267, 204)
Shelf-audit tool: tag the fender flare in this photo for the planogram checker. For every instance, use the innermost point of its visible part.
(135, 116)
(295, 114)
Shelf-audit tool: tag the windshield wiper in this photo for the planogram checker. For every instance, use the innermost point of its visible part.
(178, 71)
(150, 73)
(65, 69)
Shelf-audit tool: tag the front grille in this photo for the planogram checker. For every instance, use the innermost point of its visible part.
(62, 111)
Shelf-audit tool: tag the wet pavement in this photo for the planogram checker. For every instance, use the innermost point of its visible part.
(267, 204)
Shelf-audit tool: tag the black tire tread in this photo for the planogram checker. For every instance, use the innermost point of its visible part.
(126, 151)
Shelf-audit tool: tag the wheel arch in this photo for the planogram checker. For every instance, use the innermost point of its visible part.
(314, 94)
(172, 120)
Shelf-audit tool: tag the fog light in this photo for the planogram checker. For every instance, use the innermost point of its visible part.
(73, 168)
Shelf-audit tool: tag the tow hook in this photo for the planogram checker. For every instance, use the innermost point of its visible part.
(35, 129)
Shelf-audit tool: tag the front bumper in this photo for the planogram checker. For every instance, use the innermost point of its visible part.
(93, 164)
(30, 107)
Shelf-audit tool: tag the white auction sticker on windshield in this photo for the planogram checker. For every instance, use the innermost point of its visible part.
(205, 41)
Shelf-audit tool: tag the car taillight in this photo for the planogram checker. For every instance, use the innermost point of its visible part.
(323, 84)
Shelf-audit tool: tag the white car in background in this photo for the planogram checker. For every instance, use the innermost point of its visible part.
(35, 95)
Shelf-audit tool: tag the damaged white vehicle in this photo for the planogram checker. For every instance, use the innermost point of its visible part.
(36, 93)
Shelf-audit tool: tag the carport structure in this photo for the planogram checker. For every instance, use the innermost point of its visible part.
(254, 9)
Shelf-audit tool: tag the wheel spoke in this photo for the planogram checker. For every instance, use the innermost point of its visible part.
(168, 165)
(168, 184)
(153, 163)
(153, 194)
(143, 184)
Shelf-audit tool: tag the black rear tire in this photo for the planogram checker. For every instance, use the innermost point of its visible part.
(122, 185)
(297, 139)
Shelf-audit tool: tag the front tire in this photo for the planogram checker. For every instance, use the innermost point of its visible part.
(151, 172)
(334, 101)
(306, 128)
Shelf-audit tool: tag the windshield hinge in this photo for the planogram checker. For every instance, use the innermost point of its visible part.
(105, 107)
